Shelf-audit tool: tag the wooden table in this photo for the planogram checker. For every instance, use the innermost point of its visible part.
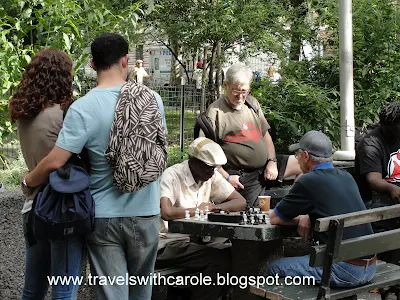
(253, 246)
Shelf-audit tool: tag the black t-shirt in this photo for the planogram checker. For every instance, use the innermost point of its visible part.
(375, 153)
(323, 193)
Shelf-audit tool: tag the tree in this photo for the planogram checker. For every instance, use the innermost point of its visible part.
(257, 24)
(70, 25)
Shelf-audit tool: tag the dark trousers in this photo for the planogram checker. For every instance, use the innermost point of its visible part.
(382, 226)
(254, 182)
(199, 259)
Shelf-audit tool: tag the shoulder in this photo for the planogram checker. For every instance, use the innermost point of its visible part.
(173, 172)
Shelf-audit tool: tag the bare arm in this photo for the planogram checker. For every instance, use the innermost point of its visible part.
(233, 179)
(54, 160)
(380, 185)
(271, 170)
(235, 202)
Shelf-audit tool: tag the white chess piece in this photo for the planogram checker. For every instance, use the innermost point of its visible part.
(197, 213)
(187, 215)
(201, 215)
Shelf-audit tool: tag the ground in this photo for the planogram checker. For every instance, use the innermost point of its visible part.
(12, 250)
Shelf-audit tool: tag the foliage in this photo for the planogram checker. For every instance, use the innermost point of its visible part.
(308, 96)
(70, 25)
(175, 155)
(11, 176)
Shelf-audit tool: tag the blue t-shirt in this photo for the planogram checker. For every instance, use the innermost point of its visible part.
(88, 124)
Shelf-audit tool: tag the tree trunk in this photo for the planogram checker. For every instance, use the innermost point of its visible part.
(218, 79)
(211, 86)
(298, 19)
(175, 78)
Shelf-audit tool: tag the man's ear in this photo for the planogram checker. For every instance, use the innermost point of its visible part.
(124, 61)
(92, 64)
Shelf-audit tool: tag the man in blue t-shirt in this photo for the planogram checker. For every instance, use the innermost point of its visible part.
(322, 191)
(124, 242)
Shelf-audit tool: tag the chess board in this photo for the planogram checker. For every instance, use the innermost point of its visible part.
(227, 217)
(248, 217)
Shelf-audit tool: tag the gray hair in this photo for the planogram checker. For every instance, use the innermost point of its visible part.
(320, 160)
(239, 73)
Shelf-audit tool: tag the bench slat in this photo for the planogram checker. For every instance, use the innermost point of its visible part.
(360, 217)
(386, 274)
(358, 247)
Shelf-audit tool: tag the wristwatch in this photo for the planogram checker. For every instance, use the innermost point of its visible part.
(272, 159)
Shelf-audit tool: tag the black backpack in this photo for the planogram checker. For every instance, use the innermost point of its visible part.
(204, 123)
(65, 207)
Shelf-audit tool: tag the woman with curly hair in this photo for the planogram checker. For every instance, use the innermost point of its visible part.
(37, 108)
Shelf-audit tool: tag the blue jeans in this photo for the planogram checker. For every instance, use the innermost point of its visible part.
(343, 274)
(121, 246)
(48, 258)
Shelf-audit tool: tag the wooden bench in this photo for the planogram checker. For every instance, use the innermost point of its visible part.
(387, 276)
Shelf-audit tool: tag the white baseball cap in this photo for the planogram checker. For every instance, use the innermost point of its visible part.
(207, 151)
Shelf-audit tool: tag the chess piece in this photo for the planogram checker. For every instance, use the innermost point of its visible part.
(244, 219)
(201, 216)
(197, 213)
(222, 212)
(187, 215)
(252, 219)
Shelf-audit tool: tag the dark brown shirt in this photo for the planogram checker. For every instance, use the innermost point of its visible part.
(241, 133)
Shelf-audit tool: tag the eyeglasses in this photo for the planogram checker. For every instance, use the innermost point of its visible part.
(239, 93)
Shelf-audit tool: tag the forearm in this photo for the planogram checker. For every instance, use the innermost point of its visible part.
(223, 172)
(381, 186)
(41, 173)
(54, 160)
(270, 145)
(232, 205)
(275, 220)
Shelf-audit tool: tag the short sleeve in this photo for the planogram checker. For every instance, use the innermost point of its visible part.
(369, 157)
(74, 133)
(220, 188)
(162, 112)
(295, 203)
(168, 183)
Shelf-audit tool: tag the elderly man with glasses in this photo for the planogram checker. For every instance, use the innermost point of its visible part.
(242, 131)
(322, 191)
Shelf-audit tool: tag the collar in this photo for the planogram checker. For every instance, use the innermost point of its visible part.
(189, 180)
(323, 166)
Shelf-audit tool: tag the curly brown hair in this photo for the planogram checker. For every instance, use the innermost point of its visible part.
(47, 80)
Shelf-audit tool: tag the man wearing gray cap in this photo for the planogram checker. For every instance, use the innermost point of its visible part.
(185, 187)
(322, 191)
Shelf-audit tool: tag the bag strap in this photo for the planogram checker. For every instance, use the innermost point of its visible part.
(250, 104)
(203, 122)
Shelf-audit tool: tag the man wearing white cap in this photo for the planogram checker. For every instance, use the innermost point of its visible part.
(139, 72)
(193, 184)
(322, 191)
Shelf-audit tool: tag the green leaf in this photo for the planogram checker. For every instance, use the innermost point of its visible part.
(67, 41)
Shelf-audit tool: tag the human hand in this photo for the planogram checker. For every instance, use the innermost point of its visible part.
(234, 180)
(395, 193)
(303, 227)
(271, 171)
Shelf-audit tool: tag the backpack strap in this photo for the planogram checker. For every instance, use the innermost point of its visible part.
(250, 104)
(203, 122)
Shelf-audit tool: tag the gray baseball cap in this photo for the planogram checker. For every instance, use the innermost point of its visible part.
(315, 143)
